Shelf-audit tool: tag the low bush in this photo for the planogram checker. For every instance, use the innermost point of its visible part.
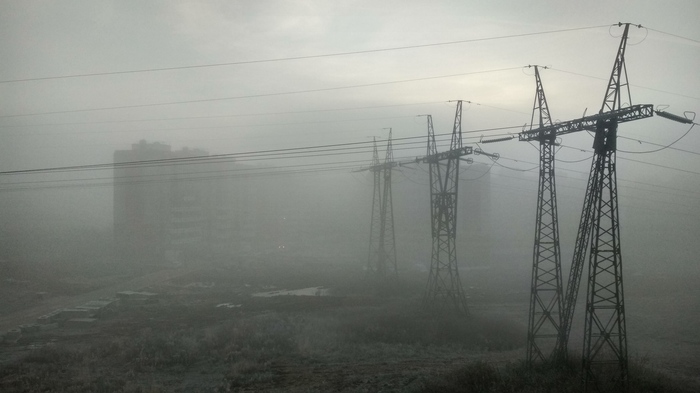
(551, 377)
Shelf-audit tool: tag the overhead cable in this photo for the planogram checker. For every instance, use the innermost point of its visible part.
(259, 95)
(279, 59)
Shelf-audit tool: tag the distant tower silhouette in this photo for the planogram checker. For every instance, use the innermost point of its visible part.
(382, 244)
(373, 259)
(444, 288)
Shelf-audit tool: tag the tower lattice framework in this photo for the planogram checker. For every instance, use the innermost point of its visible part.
(444, 288)
(604, 362)
(374, 266)
(382, 245)
(605, 329)
(544, 322)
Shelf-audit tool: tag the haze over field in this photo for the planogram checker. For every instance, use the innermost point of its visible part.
(286, 98)
(246, 77)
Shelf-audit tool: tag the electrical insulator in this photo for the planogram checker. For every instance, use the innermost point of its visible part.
(673, 117)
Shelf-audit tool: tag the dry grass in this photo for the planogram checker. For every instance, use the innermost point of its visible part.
(554, 378)
(307, 345)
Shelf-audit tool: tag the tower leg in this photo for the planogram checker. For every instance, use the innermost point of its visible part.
(605, 362)
(544, 321)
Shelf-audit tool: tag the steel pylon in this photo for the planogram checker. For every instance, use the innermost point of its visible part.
(605, 330)
(382, 249)
(604, 357)
(605, 361)
(374, 265)
(583, 238)
(388, 237)
(544, 322)
(444, 288)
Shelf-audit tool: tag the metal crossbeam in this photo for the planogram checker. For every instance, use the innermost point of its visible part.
(588, 123)
(451, 154)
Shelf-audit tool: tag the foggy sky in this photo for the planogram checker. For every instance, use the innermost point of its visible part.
(45, 39)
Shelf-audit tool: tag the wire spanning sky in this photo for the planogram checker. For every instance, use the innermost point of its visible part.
(81, 79)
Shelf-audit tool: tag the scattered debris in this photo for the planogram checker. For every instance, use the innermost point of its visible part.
(30, 328)
(137, 298)
(70, 313)
(98, 307)
(228, 305)
(312, 291)
(80, 322)
(200, 285)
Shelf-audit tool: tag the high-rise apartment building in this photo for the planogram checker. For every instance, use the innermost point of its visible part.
(160, 210)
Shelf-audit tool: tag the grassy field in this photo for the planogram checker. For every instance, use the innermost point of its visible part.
(353, 342)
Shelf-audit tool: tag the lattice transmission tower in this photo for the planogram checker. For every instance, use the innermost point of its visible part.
(605, 329)
(544, 322)
(381, 262)
(444, 288)
(605, 336)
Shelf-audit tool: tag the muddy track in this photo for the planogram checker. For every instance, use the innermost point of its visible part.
(29, 315)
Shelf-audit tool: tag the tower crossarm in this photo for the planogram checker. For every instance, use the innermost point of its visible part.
(450, 154)
(588, 123)
(382, 166)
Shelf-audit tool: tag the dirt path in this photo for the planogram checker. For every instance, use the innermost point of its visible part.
(29, 315)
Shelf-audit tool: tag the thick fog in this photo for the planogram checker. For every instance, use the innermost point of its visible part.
(69, 99)
(200, 178)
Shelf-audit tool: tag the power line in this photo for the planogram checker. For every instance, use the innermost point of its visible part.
(308, 151)
(260, 95)
(185, 175)
(224, 116)
(216, 157)
(631, 84)
(279, 59)
(233, 126)
(530, 180)
(662, 166)
(640, 162)
(662, 147)
(620, 179)
(241, 115)
(257, 171)
(674, 35)
(111, 184)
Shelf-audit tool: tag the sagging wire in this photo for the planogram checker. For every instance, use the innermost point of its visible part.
(483, 174)
(496, 157)
(546, 67)
(517, 169)
(574, 161)
(363, 182)
(659, 149)
(639, 26)
(411, 180)
(687, 120)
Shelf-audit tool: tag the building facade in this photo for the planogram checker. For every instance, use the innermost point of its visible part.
(160, 210)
